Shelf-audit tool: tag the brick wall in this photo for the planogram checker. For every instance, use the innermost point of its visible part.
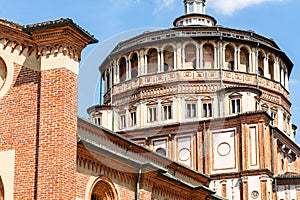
(38, 118)
(81, 184)
(57, 135)
(18, 122)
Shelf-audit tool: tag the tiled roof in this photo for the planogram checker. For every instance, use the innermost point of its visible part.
(11, 24)
(58, 23)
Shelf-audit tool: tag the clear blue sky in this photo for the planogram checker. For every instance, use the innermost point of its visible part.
(277, 19)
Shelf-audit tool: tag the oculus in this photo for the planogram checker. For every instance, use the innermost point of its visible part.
(223, 149)
(184, 154)
(254, 194)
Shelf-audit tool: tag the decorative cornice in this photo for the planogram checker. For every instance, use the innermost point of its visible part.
(11, 24)
(47, 38)
(138, 152)
(284, 139)
(59, 23)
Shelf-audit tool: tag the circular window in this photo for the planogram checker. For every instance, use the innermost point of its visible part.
(223, 149)
(161, 151)
(255, 194)
(184, 154)
(3, 72)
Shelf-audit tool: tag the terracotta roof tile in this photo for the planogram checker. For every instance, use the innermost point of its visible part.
(11, 24)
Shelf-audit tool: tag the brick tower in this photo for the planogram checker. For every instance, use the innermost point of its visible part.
(38, 71)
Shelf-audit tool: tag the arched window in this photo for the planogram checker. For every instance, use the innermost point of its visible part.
(152, 61)
(190, 56)
(1, 189)
(261, 64)
(168, 58)
(208, 56)
(244, 60)
(271, 68)
(229, 57)
(122, 69)
(161, 151)
(134, 65)
(103, 189)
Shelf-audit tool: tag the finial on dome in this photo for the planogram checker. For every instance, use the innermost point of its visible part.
(194, 15)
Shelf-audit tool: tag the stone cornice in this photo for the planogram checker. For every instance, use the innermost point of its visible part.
(283, 138)
(16, 38)
(47, 38)
(243, 174)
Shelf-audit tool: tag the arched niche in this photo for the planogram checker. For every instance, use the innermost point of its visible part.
(152, 61)
(229, 57)
(122, 69)
(208, 56)
(244, 60)
(261, 58)
(134, 65)
(190, 56)
(271, 65)
(168, 58)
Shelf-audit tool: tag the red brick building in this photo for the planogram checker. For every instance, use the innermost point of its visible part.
(197, 111)
(47, 152)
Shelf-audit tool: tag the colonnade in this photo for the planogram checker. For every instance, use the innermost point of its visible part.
(192, 55)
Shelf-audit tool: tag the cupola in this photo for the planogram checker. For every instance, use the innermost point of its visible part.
(194, 15)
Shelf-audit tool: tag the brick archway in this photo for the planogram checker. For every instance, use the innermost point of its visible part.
(1, 189)
(103, 189)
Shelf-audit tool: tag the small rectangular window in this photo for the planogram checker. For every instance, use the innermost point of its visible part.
(167, 112)
(235, 106)
(152, 114)
(191, 110)
(207, 110)
(133, 118)
(191, 8)
(97, 120)
(122, 121)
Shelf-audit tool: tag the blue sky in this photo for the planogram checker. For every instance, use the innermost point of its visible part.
(277, 19)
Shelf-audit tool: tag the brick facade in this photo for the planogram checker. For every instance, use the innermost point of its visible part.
(38, 112)
(57, 123)
(21, 135)
(48, 154)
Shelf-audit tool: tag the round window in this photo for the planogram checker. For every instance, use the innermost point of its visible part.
(3, 72)
(223, 149)
(161, 151)
(184, 154)
(254, 194)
